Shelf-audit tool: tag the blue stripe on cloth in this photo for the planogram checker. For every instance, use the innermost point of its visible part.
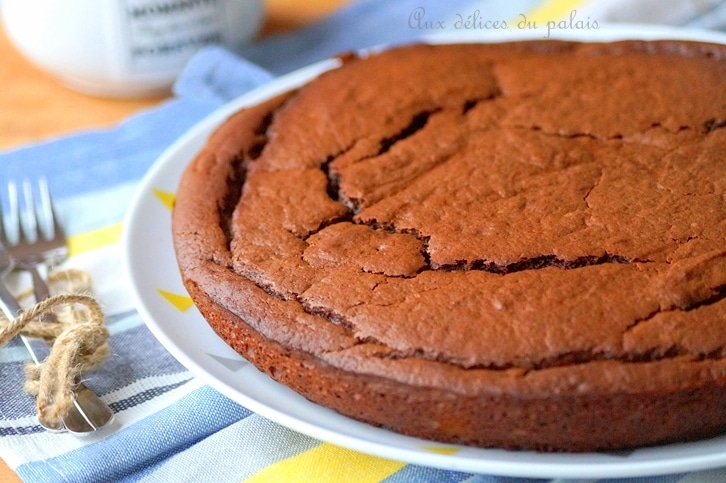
(97, 159)
(422, 474)
(217, 75)
(649, 479)
(21, 430)
(124, 366)
(123, 321)
(15, 407)
(14, 402)
(81, 214)
(129, 453)
(144, 396)
(234, 453)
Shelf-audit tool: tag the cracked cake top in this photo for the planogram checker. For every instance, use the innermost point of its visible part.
(464, 217)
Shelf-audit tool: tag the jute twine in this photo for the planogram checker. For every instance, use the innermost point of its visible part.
(78, 338)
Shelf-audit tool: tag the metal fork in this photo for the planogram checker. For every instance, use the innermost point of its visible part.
(35, 247)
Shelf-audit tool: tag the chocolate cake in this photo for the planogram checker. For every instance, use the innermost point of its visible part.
(517, 245)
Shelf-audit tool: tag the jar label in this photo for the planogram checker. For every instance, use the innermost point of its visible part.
(164, 34)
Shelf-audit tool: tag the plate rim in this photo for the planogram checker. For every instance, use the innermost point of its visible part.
(540, 465)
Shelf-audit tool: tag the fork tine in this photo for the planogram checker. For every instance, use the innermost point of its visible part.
(30, 229)
(30, 218)
(3, 233)
(13, 212)
(55, 230)
(37, 245)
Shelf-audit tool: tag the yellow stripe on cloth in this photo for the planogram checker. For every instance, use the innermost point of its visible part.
(181, 302)
(165, 197)
(94, 239)
(553, 10)
(328, 463)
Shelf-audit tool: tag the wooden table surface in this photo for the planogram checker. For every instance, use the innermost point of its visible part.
(35, 106)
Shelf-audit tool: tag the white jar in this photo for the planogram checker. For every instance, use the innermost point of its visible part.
(124, 48)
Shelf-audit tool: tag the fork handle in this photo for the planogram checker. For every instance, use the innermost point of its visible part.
(11, 307)
(9, 303)
(41, 290)
(40, 286)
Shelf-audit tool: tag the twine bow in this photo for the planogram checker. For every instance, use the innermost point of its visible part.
(77, 334)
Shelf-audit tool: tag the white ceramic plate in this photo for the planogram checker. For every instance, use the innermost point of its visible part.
(162, 302)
